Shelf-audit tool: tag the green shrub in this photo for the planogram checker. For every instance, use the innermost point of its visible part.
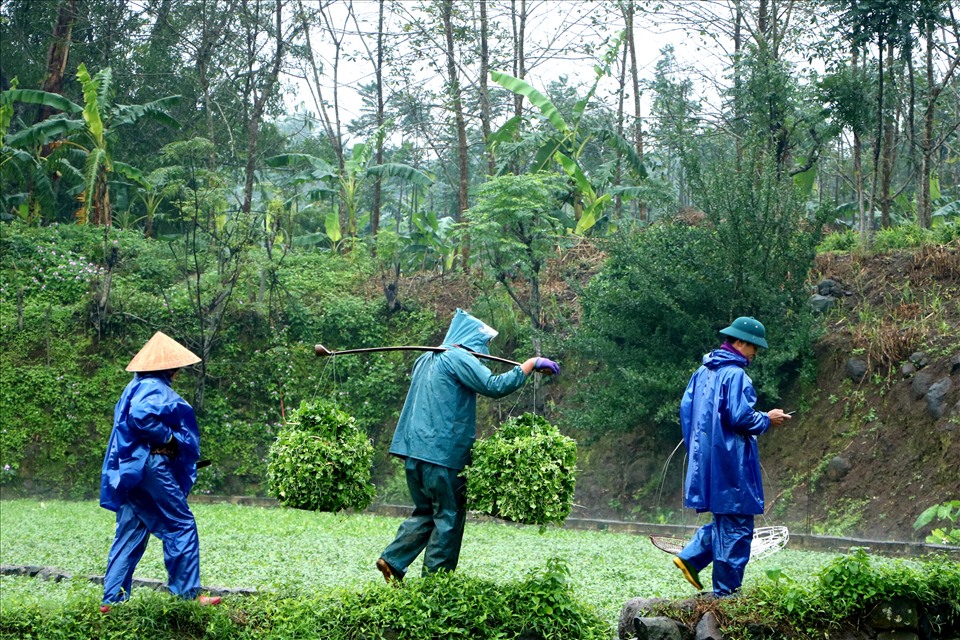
(525, 472)
(321, 461)
(852, 586)
(656, 307)
(906, 236)
(947, 514)
(845, 240)
(541, 606)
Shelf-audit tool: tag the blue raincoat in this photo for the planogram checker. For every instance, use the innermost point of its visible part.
(438, 423)
(434, 435)
(147, 490)
(720, 427)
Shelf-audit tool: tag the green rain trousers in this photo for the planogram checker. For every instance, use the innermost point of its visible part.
(439, 496)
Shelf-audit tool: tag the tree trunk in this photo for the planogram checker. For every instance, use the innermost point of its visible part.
(58, 53)
(858, 167)
(635, 77)
(378, 180)
(519, 24)
(928, 144)
(453, 87)
(618, 174)
(259, 104)
(878, 137)
(889, 146)
(924, 205)
(484, 90)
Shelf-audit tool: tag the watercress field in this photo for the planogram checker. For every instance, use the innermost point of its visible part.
(291, 551)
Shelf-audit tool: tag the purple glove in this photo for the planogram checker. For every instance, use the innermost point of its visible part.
(542, 365)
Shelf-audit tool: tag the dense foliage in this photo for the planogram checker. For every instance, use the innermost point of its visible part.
(321, 461)
(656, 306)
(524, 472)
(76, 302)
(446, 605)
(852, 585)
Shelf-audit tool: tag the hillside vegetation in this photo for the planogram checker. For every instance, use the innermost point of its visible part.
(864, 456)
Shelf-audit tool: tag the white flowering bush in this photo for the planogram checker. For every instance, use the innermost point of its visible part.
(321, 461)
(525, 472)
(49, 270)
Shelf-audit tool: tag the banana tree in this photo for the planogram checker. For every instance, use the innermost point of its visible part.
(349, 182)
(87, 132)
(565, 144)
(26, 177)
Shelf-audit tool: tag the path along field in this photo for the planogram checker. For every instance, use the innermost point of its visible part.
(289, 550)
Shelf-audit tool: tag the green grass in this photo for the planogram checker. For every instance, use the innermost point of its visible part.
(290, 551)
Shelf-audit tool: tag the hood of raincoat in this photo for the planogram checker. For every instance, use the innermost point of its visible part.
(469, 333)
(149, 413)
(720, 428)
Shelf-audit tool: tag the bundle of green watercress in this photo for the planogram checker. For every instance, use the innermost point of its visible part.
(525, 472)
(321, 461)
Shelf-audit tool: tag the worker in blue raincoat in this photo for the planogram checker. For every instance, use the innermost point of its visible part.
(720, 429)
(434, 436)
(148, 471)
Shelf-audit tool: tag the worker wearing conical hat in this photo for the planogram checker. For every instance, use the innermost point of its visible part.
(148, 471)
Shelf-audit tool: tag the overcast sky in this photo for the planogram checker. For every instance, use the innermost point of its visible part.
(553, 24)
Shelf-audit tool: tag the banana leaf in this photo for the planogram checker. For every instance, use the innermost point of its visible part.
(156, 110)
(402, 171)
(43, 98)
(44, 132)
(536, 98)
(626, 149)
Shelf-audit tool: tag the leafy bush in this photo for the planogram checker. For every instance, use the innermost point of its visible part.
(845, 240)
(852, 585)
(541, 606)
(656, 307)
(525, 472)
(321, 461)
(948, 513)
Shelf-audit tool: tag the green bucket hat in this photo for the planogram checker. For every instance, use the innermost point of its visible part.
(747, 329)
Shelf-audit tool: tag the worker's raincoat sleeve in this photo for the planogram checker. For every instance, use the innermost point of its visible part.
(741, 399)
(474, 376)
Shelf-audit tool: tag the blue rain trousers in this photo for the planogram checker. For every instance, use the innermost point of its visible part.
(440, 499)
(158, 506)
(725, 542)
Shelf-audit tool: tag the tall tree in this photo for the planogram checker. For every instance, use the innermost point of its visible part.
(455, 96)
(260, 76)
(931, 16)
(518, 22)
(378, 180)
(484, 88)
(58, 52)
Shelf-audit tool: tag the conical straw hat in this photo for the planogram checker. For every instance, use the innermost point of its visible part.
(161, 353)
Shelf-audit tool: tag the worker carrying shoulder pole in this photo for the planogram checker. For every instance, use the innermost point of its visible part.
(434, 436)
(720, 429)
